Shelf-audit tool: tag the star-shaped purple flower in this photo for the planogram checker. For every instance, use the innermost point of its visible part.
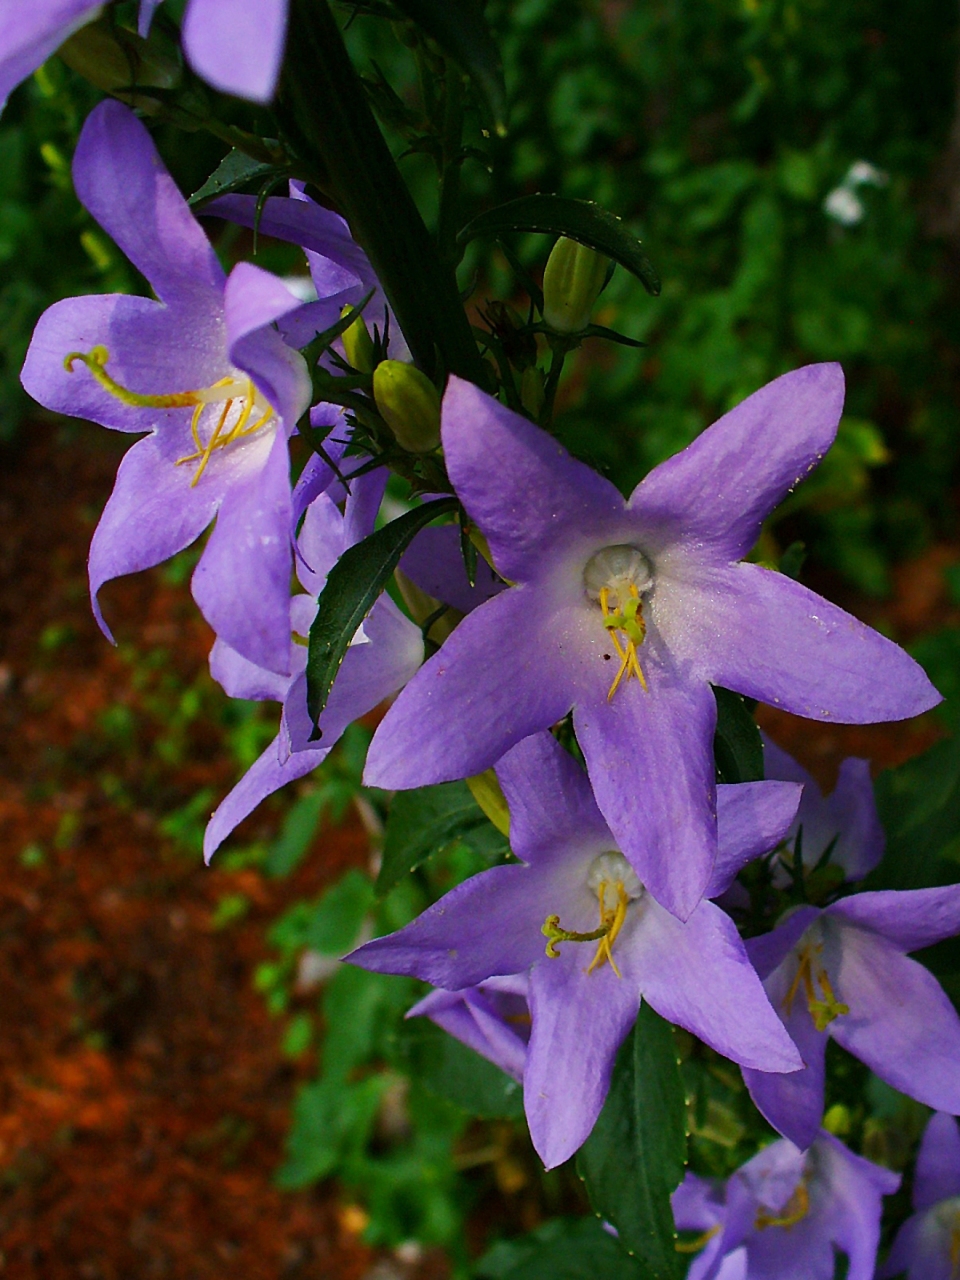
(843, 972)
(927, 1246)
(609, 944)
(30, 33)
(492, 1018)
(202, 370)
(628, 611)
(784, 1213)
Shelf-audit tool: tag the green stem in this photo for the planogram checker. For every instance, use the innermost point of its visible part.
(323, 107)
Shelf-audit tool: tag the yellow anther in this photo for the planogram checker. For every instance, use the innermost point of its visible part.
(823, 1007)
(629, 620)
(794, 1211)
(694, 1246)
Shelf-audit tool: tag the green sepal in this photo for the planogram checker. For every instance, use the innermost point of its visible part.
(579, 220)
(352, 587)
(234, 172)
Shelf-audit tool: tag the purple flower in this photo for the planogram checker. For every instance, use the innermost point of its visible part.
(785, 1212)
(493, 1018)
(627, 612)
(382, 657)
(30, 33)
(204, 372)
(927, 1246)
(576, 888)
(843, 972)
(235, 45)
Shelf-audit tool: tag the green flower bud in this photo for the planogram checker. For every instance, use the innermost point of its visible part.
(409, 405)
(357, 343)
(572, 281)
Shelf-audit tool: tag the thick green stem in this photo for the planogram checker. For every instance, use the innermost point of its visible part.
(324, 108)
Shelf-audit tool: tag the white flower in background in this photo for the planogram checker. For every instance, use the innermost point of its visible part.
(843, 204)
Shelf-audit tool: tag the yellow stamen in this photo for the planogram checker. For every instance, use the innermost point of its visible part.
(794, 1211)
(824, 1007)
(611, 922)
(629, 621)
(694, 1246)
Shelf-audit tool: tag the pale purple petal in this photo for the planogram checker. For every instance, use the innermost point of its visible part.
(265, 776)
(901, 1023)
(153, 512)
(363, 505)
(317, 475)
(145, 16)
(937, 1173)
(697, 974)
(579, 1023)
(853, 808)
(769, 950)
(853, 1211)
(717, 492)
(491, 1018)
(240, 678)
(500, 672)
(237, 45)
(920, 1250)
(252, 300)
(752, 819)
(121, 180)
(320, 544)
(434, 562)
(761, 634)
(910, 919)
(526, 493)
(30, 33)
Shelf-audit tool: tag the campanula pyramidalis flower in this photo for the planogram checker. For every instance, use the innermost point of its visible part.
(844, 972)
(202, 370)
(627, 611)
(383, 655)
(493, 1018)
(30, 33)
(785, 1214)
(927, 1246)
(576, 916)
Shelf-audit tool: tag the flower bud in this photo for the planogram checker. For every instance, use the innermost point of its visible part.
(357, 344)
(121, 63)
(409, 404)
(572, 281)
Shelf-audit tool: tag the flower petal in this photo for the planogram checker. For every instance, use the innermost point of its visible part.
(29, 34)
(717, 492)
(240, 678)
(937, 1172)
(752, 819)
(237, 45)
(471, 1018)
(434, 562)
(254, 299)
(853, 1211)
(909, 918)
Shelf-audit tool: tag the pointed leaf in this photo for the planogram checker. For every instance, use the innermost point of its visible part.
(579, 220)
(562, 1249)
(636, 1155)
(737, 747)
(453, 1071)
(235, 170)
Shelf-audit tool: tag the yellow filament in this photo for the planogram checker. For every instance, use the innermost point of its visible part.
(96, 360)
(605, 935)
(794, 1211)
(824, 1007)
(694, 1246)
(630, 622)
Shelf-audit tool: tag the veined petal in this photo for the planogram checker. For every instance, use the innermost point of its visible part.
(253, 299)
(434, 562)
(237, 45)
(752, 819)
(717, 492)
(910, 919)
(853, 1214)
(240, 678)
(937, 1172)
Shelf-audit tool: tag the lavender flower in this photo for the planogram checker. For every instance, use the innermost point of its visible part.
(783, 1215)
(843, 972)
(493, 1018)
(927, 1246)
(204, 372)
(627, 612)
(30, 33)
(382, 657)
(577, 888)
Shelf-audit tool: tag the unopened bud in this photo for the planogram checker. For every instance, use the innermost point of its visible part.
(121, 63)
(532, 391)
(572, 281)
(357, 344)
(409, 405)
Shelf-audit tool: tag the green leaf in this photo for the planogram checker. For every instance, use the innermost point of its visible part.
(423, 822)
(330, 1119)
(919, 806)
(635, 1156)
(737, 746)
(235, 170)
(287, 851)
(562, 1249)
(352, 587)
(455, 1072)
(461, 31)
(579, 220)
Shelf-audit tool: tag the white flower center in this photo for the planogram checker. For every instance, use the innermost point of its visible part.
(606, 874)
(616, 569)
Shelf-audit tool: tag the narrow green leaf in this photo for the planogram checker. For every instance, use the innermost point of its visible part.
(423, 822)
(452, 1071)
(737, 746)
(352, 587)
(234, 171)
(579, 220)
(919, 806)
(461, 31)
(561, 1249)
(636, 1155)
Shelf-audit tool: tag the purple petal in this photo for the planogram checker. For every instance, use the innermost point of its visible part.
(252, 300)
(901, 1023)
(320, 544)
(769, 950)
(242, 583)
(363, 505)
(153, 512)
(242, 679)
(522, 488)
(717, 491)
(265, 776)
(153, 350)
(937, 1173)
(752, 819)
(472, 1017)
(145, 16)
(500, 672)
(488, 925)
(579, 1022)
(121, 179)
(30, 33)
(697, 974)
(237, 45)
(852, 1215)
(919, 1251)
(317, 475)
(434, 562)
(650, 759)
(696, 1204)
(910, 919)
(550, 800)
(853, 807)
(755, 631)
